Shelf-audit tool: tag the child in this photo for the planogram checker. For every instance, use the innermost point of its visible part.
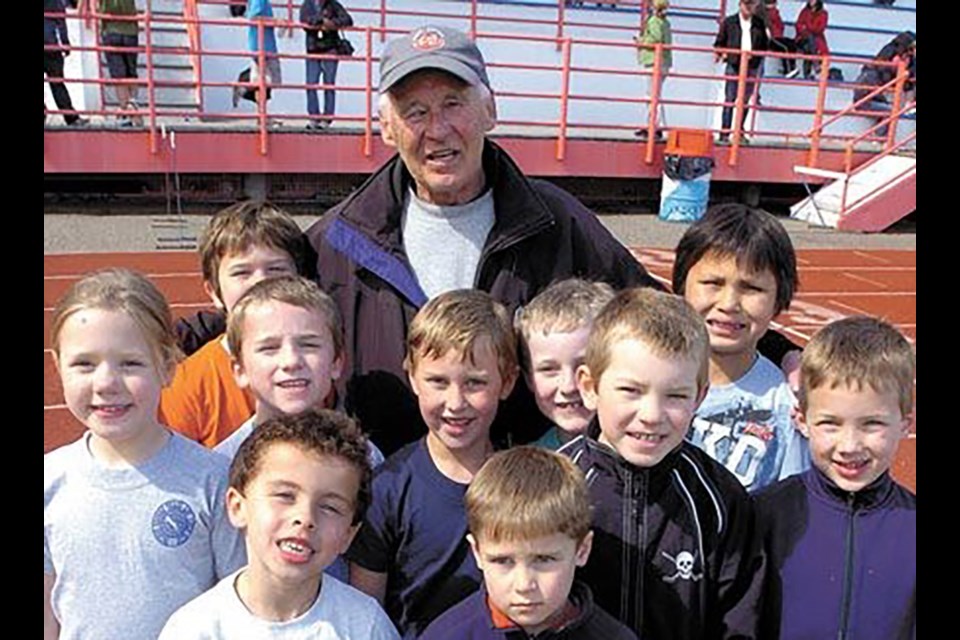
(286, 346)
(284, 334)
(675, 555)
(243, 244)
(842, 537)
(411, 553)
(655, 31)
(134, 523)
(528, 512)
(298, 489)
(736, 267)
(553, 331)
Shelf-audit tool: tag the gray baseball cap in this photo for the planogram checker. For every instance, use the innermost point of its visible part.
(432, 48)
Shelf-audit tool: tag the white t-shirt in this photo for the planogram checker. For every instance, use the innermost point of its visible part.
(340, 612)
(746, 42)
(130, 546)
(747, 426)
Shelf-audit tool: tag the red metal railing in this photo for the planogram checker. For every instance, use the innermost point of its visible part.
(193, 24)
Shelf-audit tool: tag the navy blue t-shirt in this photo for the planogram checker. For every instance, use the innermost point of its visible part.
(415, 532)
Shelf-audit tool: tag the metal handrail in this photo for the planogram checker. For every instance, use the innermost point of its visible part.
(565, 68)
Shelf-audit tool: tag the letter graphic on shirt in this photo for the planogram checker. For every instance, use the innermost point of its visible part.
(739, 438)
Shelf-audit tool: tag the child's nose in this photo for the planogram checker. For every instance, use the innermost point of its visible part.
(650, 409)
(729, 298)
(105, 377)
(568, 383)
(526, 580)
(849, 441)
(290, 357)
(454, 397)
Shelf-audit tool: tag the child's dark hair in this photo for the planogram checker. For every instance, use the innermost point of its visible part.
(244, 224)
(322, 432)
(757, 240)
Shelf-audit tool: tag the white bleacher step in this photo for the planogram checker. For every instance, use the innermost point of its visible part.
(823, 208)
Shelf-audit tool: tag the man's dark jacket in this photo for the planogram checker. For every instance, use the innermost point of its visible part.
(541, 234)
(729, 38)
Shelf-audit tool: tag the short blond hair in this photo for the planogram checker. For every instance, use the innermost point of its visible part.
(292, 290)
(525, 493)
(663, 321)
(245, 224)
(859, 351)
(563, 307)
(456, 320)
(128, 292)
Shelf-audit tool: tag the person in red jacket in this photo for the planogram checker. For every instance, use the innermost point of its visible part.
(811, 34)
(778, 41)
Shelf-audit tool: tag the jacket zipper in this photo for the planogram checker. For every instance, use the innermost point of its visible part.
(505, 242)
(627, 510)
(847, 570)
(642, 546)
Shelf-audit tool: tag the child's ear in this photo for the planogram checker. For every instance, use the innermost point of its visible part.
(702, 393)
(801, 417)
(239, 374)
(336, 368)
(212, 294)
(348, 537)
(583, 549)
(907, 422)
(508, 381)
(236, 510)
(475, 548)
(587, 386)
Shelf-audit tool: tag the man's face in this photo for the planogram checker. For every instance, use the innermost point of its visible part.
(437, 124)
(747, 8)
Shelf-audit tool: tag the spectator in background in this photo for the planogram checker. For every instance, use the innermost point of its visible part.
(321, 19)
(655, 31)
(55, 33)
(902, 47)
(261, 11)
(811, 38)
(744, 31)
(778, 41)
(122, 64)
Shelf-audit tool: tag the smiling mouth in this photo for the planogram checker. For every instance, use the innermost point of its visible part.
(650, 438)
(726, 325)
(851, 467)
(298, 383)
(295, 550)
(574, 404)
(111, 409)
(442, 156)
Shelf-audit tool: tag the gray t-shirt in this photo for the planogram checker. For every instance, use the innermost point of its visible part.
(444, 244)
(130, 546)
(340, 612)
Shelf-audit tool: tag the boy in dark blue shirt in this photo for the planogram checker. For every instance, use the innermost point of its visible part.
(529, 517)
(412, 553)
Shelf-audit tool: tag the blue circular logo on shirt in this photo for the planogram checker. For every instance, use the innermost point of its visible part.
(173, 522)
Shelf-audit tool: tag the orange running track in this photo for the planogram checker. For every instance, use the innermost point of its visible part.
(834, 284)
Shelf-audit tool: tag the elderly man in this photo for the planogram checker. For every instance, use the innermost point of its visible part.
(451, 210)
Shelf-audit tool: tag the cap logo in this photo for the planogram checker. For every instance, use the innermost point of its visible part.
(427, 39)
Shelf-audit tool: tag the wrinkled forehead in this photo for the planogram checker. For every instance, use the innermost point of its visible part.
(423, 81)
